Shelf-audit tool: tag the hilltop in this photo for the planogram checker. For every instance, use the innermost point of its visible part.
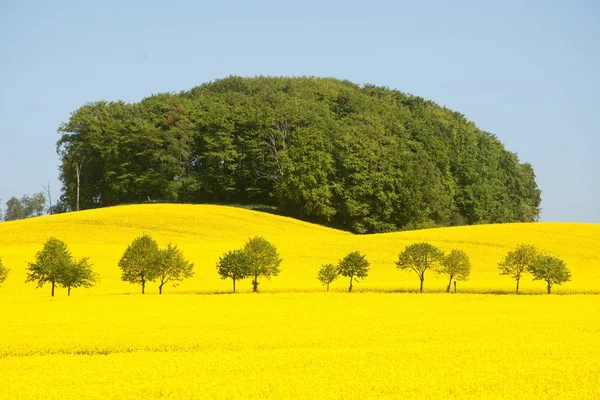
(362, 158)
(205, 232)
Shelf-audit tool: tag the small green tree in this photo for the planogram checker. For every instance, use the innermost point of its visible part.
(327, 274)
(553, 270)
(140, 262)
(233, 265)
(457, 266)
(262, 258)
(78, 274)
(518, 261)
(50, 264)
(3, 272)
(354, 266)
(420, 257)
(173, 267)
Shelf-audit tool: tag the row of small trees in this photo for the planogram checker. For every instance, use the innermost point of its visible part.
(143, 261)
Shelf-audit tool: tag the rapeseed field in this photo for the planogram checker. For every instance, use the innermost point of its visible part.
(292, 340)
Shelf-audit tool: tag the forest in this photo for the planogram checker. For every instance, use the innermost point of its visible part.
(363, 158)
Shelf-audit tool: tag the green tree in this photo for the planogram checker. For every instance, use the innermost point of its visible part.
(551, 269)
(78, 273)
(419, 257)
(517, 262)
(50, 264)
(140, 262)
(262, 258)
(354, 266)
(3, 272)
(233, 265)
(14, 210)
(173, 267)
(457, 266)
(327, 274)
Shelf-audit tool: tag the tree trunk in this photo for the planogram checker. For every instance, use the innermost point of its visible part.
(328, 287)
(68, 290)
(233, 285)
(549, 287)
(454, 286)
(350, 288)
(255, 283)
(143, 286)
(52, 288)
(421, 287)
(160, 288)
(518, 278)
(78, 173)
(449, 284)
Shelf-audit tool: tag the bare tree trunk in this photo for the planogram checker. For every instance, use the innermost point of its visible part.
(78, 173)
(328, 287)
(449, 284)
(454, 286)
(143, 286)
(49, 195)
(68, 290)
(52, 288)
(350, 288)
(421, 287)
(233, 285)
(518, 279)
(255, 283)
(549, 287)
(160, 288)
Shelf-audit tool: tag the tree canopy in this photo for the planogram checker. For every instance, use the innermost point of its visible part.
(517, 262)
(262, 259)
(363, 158)
(419, 257)
(3, 272)
(140, 262)
(354, 266)
(551, 269)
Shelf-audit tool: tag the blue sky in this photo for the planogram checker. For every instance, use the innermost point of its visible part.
(528, 72)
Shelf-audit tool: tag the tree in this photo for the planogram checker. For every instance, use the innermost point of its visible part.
(140, 262)
(173, 267)
(419, 257)
(34, 205)
(457, 266)
(518, 261)
(50, 264)
(553, 270)
(14, 210)
(233, 265)
(262, 258)
(48, 194)
(327, 274)
(78, 273)
(354, 266)
(3, 272)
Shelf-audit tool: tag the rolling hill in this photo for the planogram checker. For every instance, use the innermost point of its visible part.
(205, 232)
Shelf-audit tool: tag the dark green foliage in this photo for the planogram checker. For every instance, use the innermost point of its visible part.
(354, 266)
(367, 159)
(233, 265)
(262, 259)
(173, 267)
(141, 262)
(419, 257)
(78, 274)
(55, 265)
(553, 270)
(327, 274)
(518, 261)
(3, 272)
(457, 266)
(25, 207)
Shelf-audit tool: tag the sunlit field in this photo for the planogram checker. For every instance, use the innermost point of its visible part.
(293, 340)
(205, 232)
(299, 345)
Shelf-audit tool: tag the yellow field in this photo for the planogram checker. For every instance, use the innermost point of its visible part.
(205, 232)
(111, 342)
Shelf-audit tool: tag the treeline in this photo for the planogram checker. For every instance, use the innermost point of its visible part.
(143, 261)
(362, 158)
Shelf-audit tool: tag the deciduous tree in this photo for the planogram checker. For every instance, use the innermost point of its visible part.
(50, 264)
(173, 267)
(518, 261)
(78, 273)
(419, 257)
(233, 265)
(140, 262)
(457, 266)
(3, 272)
(262, 258)
(551, 269)
(354, 266)
(327, 274)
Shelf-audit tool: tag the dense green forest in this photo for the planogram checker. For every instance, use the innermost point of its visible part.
(360, 157)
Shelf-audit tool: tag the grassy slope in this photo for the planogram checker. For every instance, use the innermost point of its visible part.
(204, 232)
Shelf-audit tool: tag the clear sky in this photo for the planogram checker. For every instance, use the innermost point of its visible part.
(527, 71)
